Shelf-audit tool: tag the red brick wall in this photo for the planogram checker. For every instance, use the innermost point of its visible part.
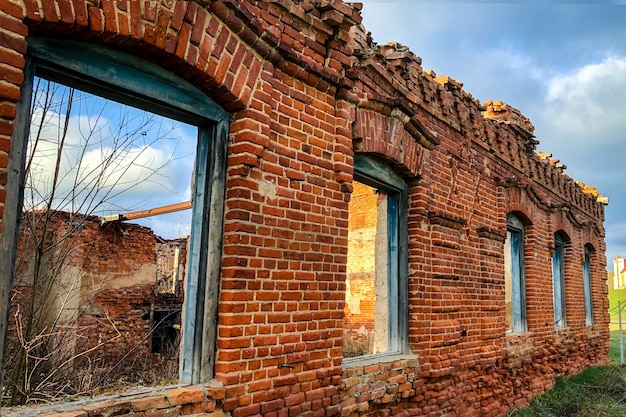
(304, 94)
(83, 243)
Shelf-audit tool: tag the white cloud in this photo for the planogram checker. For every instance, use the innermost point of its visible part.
(587, 105)
(107, 161)
(588, 80)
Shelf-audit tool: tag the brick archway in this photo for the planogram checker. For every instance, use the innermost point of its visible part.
(183, 37)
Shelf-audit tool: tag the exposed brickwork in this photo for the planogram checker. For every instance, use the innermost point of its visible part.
(307, 89)
(110, 274)
(360, 309)
(186, 401)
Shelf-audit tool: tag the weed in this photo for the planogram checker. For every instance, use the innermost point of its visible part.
(596, 392)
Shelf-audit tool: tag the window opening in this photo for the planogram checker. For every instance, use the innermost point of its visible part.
(558, 279)
(166, 333)
(587, 287)
(515, 293)
(114, 134)
(170, 266)
(375, 309)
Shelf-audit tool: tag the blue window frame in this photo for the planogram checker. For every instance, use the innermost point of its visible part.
(587, 287)
(558, 281)
(515, 291)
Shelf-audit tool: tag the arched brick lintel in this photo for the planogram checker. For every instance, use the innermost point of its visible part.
(518, 202)
(562, 224)
(387, 136)
(524, 199)
(183, 37)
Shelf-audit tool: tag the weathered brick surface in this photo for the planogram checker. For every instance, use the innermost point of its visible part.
(108, 276)
(307, 90)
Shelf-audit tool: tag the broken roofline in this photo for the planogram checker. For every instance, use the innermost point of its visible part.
(79, 218)
(390, 77)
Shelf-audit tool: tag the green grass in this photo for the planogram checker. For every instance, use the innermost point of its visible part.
(614, 352)
(614, 297)
(597, 392)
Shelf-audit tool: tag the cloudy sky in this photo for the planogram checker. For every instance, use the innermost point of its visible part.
(562, 63)
(114, 159)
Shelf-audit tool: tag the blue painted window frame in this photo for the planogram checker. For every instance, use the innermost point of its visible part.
(131, 80)
(515, 236)
(558, 281)
(379, 175)
(587, 287)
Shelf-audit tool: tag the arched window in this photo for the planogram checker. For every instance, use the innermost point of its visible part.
(587, 287)
(375, 321)
(558, 282)
(118, 77)
(515, 292)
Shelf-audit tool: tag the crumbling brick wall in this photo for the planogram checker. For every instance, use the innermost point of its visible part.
(110, 274)
(477, 166)
(307, 90)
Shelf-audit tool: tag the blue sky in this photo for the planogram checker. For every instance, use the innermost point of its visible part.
(563, 64)
(115, 159)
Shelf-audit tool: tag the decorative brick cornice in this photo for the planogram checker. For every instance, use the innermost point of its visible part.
(391, 76)
(446, 220)
(316, 54)
(491, 234)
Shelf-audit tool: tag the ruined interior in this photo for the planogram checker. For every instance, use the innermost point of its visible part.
(113, 308)
(334, 178)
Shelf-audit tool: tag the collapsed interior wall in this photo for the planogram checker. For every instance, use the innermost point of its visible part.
(109, 286)
(308, 90)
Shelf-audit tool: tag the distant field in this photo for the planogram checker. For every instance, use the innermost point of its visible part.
(614, 297)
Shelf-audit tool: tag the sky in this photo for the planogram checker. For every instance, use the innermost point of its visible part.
(114, 159)
(562, 63)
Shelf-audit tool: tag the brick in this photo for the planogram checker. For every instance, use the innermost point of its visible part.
(175, 412)
(66, 17)
(185, 395)
(192, 409)
(96, 20)
(177, 17)
(13, 25)
(246, 411)
(11, 8)
(13, 41)
(6, 127)
(108, 408)
(109, 13)
(143, 404)
(12, 58)
(81, 15)
(11, 75)
(161, 28)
